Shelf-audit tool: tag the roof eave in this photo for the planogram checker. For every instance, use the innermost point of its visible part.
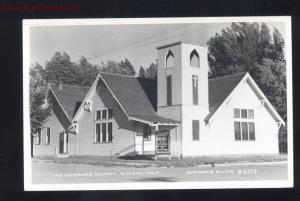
(60, 104)
(152, 123)
(279, 119)
(209, 117)
(114, 96)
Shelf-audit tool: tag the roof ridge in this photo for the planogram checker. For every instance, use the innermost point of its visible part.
(226, 76)
(71, 85)
(118, 74)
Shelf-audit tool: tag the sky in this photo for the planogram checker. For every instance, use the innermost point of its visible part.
(116, 42)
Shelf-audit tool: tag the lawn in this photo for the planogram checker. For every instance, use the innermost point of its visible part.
(142, 163)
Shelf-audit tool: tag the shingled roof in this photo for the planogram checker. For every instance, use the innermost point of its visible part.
(136, 95)
(130, 93)
(219, 89)
(70, 97)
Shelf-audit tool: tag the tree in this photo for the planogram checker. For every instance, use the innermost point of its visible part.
(39, 111)
(60, 68)
(142, 72)
(124, 67)
(87, 72)
(38, 93)
(249, 47)
(151, 72)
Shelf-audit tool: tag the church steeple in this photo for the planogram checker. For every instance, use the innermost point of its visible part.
(182, 75)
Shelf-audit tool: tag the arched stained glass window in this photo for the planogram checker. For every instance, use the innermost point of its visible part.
(194, 59)
(170, 60)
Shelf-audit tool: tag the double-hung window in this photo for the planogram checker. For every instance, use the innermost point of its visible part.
(244, 124)
(169, 90)
(103, 125)
(47, 136)
(196, 129)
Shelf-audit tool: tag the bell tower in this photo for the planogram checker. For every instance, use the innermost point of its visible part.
(182, 79)
(182, 91)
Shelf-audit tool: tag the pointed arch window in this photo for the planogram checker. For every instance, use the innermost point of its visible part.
(170, 60)
(194, 59)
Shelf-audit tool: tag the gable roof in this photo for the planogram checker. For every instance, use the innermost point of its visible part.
(70, 97)
(150, 88)
(130, 93)
(219, 89)
(136, 96)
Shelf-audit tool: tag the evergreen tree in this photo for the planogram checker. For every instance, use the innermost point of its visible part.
(87, 72)
(124, 67)
(142, 72)
(151, 72)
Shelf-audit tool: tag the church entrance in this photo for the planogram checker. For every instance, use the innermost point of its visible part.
(162, 142)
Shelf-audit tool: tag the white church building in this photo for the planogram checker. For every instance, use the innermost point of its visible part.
(226, 115)
(182, 114)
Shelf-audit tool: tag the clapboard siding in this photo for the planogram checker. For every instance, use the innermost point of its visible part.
(56, 122)
(171, 112)
(123, 129)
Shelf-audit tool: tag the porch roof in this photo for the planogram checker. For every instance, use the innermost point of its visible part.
(154, 119)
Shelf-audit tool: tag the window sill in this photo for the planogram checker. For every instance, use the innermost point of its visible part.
(47, 144)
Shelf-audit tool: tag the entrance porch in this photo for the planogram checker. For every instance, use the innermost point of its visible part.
(161, 141)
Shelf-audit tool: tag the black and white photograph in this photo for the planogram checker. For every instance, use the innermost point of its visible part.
(157, 103)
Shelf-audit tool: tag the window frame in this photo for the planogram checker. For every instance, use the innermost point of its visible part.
(198, 130)
(169, 90)
(99, 137)
(242, 121)
(47, 136)
(196, 54)
(169, 54)
(251, 123)
(244, 110)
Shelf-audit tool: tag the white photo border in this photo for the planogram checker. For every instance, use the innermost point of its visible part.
(28, 186)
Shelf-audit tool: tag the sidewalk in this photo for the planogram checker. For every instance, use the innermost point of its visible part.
(186, 162)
